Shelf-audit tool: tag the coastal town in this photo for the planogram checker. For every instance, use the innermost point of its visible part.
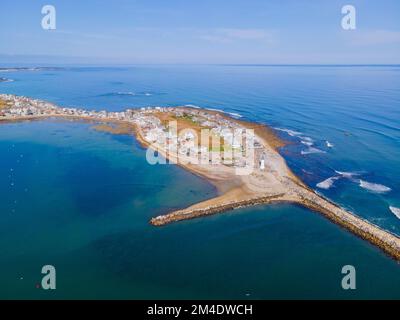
(223, 140)
(240, 158)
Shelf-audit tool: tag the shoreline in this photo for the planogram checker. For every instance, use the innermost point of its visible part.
(277, 184)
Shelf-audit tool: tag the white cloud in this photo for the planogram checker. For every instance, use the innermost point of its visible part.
(85, 35)
(375, 37)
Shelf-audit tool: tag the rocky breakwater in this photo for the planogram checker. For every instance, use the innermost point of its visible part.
(191, 213)
(388, 242)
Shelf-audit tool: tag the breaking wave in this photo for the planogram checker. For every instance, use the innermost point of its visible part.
(192, 106)
(328, 144)
(129, 93)
(234, 115)
(6, 80)
(328, 183)
(395, 211)
(308, 139)
(307, 143)
(374, 187)
(217, 110)
(291, 133)
(348, 175)
(30, 69)
(311, 150)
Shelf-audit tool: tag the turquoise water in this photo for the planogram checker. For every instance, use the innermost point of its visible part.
(81, 200)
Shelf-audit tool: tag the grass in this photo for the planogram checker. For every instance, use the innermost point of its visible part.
(188, 117)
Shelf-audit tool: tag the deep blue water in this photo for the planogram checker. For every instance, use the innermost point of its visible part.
(81, 200)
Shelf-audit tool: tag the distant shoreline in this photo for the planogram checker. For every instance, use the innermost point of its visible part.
(274, 184)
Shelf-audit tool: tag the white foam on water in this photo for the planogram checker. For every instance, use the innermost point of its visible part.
(235, 115)
(348, 175)
(129, 93)
(291, 133)
(217, 110)
(192, 106)
(395, 211)
(307, 172)
(311, 150)
(328, 144)
(126, 93)
(307, 143)
(232, 114)
(308, 139)
(6, 80)
(374, 187)
(328, 183)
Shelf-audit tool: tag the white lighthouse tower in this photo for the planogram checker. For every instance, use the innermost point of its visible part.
(262, 163)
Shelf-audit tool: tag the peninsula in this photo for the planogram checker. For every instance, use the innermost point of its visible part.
(240, 158)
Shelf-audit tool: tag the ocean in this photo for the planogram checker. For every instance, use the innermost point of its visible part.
(81, 200)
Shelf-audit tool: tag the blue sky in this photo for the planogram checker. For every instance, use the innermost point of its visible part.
(207, 31)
